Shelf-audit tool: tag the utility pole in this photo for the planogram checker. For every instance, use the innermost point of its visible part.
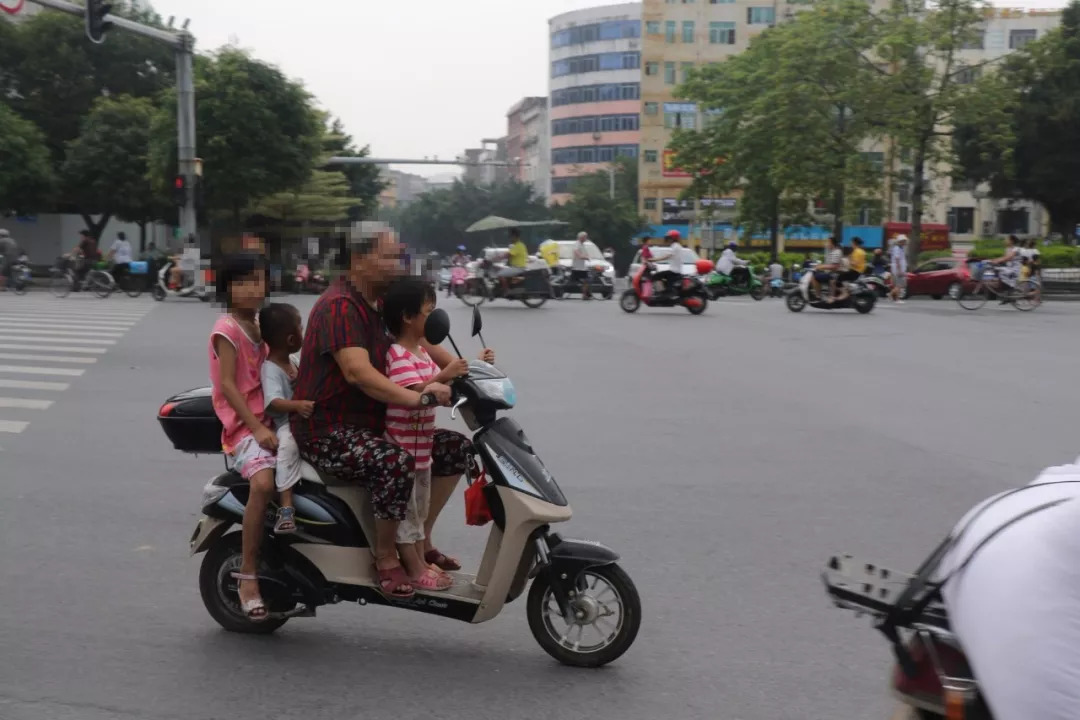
(99, 21)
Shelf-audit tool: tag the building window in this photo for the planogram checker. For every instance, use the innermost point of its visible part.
(761, 15)
(1020, 38)
(679, 118)
(563, 185)
(903, 192)
(594, 123)
(685, 71)
(688, 31)
(875, 159)
(962, 220)
(722, 33)
(1013, 221)
(652, 68)
(650, 156)
(592, 63)
(721, 2)
(669, 31)
(669, 73)
(581, 34)
(966, 76)
(595, 93)
(903, 213)
(591, 154)
(652, 108)
(975, 43)
(652, 27)
(650, 203)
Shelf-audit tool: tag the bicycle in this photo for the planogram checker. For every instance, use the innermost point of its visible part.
(98, 280)
(1024, 297)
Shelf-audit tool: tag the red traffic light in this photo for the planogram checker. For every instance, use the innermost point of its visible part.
(179, 183)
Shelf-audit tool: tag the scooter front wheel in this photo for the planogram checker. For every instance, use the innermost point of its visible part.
(629, 301)
(218, 590)
(606, 613)
(796, 302)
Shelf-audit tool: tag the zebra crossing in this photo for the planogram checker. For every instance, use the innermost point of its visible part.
(48, 343)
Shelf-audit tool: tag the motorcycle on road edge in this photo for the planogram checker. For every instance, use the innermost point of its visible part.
(863, 295)
(692, 295)
(582, 608)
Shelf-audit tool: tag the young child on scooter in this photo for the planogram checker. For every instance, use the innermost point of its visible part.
(406, 306)
(237, 353)
(281, 329)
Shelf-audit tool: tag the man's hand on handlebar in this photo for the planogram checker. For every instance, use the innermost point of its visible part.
(441, 392)
(487, 355)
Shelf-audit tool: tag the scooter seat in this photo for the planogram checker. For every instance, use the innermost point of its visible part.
(309, 473)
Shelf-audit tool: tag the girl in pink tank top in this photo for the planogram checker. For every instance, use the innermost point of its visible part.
(236, 354)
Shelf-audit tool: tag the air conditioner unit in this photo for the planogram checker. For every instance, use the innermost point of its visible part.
(633, 44)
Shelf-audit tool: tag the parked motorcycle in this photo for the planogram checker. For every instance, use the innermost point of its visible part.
(532, 287)
(862, 296)
(718, 285)
(691, 295)
(563, 283)
(582, 608)
(163, 287)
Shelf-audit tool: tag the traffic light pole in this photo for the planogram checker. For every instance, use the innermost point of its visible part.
(183, 43)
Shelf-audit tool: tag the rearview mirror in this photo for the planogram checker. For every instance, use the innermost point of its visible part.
(437, 326)
(477, 322)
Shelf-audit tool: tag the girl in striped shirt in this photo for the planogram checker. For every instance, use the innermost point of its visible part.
(406, 306)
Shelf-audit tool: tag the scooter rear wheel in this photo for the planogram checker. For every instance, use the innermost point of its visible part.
(158, 293)
(218, 590)
(591, 639)
(796, 302)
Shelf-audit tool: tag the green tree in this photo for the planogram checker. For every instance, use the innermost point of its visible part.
(26, 174)
(610, 222)
(1025, 146)
(52, 75)
(106, 168)
(258, 133)
(786, 121)
(437, 220)
(923, 85)
(365, 183)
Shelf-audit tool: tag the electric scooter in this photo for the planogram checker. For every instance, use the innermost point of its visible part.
(163, 289)
(582, 608)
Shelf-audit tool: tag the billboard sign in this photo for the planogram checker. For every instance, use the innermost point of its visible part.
(670, 169)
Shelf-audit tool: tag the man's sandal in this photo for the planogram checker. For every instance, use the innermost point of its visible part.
(443, 562)
(391, 580)
(254, 609)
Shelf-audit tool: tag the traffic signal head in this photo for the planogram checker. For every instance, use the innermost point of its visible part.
(180, 191)
(96, 25)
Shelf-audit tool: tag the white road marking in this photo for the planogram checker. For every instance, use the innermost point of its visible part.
(61, 333)
(76, 340)
(10, 312)
(12, 426)
(25, 403)
(67, 324)
(48, 358)
(29, 370)
(33, 385)
(16, 346)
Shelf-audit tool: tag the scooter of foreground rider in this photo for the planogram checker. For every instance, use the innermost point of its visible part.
(582, 608)
(989, 627)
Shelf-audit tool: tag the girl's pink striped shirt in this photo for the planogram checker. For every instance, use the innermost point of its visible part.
(411, 428)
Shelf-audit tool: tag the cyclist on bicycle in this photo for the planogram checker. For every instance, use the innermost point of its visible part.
(84, 254)
(1009, 264)
(120, 254)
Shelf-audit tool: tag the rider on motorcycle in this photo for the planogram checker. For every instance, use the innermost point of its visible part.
(1012, 591)
(672, 277)
(825, 272)
(515, 265)
(459, 258)
(732, 265)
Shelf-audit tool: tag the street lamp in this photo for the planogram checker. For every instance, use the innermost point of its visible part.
(979, 194)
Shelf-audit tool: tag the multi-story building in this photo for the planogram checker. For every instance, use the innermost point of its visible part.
(680, 35)
(594, 91)
(528, 143)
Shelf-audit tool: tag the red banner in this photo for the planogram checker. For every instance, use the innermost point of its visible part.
(672, 170)
(932, 237)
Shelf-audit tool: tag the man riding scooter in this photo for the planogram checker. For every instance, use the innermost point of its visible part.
(515, 265)
(672, 277)
(826, 271)
(732, 265)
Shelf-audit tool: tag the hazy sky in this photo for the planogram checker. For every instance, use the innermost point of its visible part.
(412, 78)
